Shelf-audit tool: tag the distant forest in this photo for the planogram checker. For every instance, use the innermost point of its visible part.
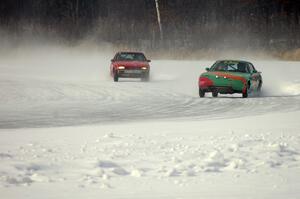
(186, 24)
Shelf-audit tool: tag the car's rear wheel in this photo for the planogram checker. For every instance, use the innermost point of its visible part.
(245, 94)
(116, 77)
(201, 93)
(215, 93)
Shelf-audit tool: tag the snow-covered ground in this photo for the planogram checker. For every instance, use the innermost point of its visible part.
(68, 131)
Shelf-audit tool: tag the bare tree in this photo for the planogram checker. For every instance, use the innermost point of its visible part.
(159, 20)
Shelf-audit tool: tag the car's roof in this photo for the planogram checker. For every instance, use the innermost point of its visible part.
(133, 52)
(232, 60)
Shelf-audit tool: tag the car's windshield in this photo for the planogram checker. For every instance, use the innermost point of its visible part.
(230, 66)
(130, 57)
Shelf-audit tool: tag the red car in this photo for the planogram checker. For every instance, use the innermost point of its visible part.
(130, 65)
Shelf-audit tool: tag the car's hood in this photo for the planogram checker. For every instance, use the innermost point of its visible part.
(131, 63)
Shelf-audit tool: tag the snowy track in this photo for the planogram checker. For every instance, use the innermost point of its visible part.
(48, 104)
(73, 94)
(68, 131)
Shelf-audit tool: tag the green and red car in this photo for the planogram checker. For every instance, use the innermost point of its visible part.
(230, 76)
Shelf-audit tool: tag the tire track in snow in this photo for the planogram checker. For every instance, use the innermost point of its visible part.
(47, 104)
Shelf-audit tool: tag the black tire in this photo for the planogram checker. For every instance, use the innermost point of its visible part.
(201, 93)
(215, 93)
(245, 94)
(116, 77)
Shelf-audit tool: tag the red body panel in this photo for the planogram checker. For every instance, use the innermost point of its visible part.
(204, 82)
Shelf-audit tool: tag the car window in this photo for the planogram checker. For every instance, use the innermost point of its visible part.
(116, 56)
(251, 68)
(139, 57)
(130, 57)
(230, 66)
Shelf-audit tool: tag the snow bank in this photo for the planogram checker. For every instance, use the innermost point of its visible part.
(162, 154)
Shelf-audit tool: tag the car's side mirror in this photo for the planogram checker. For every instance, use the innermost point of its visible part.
(148, 60)
(207, 69)
(112, 60)
(254, 71)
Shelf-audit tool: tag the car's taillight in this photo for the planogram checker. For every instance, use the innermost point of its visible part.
(205, 82)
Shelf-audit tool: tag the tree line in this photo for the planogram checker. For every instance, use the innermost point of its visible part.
(192, 24)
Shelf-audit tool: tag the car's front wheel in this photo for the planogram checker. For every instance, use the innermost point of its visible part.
(201, 93)
(116, 77)
(145, 78)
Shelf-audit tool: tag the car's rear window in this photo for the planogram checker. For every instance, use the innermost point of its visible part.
(131, 57)
(230, 66)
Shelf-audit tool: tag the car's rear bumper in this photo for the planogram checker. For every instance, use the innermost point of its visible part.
(221, 89)
(136, 73)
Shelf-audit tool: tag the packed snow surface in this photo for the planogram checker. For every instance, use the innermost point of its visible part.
(68, 131)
